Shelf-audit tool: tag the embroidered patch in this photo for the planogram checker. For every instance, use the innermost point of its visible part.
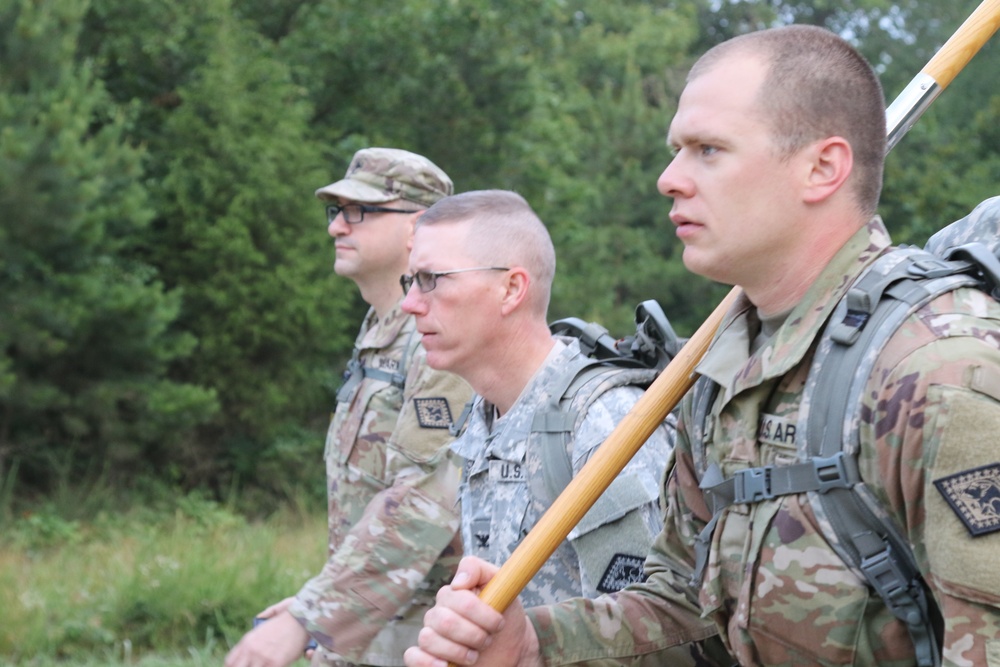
(974, 495)
(432, 412)
(623, 570)
(506, 471)
(776, 430)
(481, 537)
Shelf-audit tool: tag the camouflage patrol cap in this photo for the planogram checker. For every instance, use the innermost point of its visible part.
(378, 175)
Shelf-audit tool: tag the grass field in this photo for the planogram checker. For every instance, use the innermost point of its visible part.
(146, 588)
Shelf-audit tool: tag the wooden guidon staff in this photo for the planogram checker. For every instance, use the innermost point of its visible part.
(678, 377)
(941, 70)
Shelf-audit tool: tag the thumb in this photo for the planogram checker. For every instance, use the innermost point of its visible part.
(473, 573)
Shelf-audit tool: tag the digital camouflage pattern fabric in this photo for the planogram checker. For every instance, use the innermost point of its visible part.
(502, 496)
(392, 493)
(982, 225)
(775, 591)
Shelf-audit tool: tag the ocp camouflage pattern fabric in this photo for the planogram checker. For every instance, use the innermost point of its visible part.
(774, 590)
(392, 503)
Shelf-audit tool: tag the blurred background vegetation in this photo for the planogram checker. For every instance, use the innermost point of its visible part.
(171, 329)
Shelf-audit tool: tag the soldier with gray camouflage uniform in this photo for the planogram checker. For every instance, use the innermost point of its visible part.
(482, 267)
(392, 487)
(779, 141)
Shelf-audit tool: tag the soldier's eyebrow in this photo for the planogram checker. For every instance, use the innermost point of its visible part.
(679, 140)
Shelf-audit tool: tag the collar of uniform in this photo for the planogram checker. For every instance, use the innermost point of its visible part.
(728, 361)
(507, 440)
(469, 445)
(379, 333)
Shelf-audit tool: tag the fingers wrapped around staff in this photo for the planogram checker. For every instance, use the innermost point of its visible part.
(463, 629)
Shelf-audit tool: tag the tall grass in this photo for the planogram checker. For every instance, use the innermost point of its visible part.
(169, 590)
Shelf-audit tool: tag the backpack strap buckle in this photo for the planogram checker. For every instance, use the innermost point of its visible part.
(906, 599)
(835, 472)
(885, 576)
(752, 485)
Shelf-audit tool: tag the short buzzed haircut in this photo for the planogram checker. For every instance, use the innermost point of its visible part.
(503, 231)
(817, 86)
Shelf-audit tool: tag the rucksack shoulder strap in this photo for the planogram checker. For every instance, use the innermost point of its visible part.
(703, 396)
(557, 420)
(356, 371)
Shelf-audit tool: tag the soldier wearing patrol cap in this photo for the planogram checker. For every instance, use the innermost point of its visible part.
(393, 519)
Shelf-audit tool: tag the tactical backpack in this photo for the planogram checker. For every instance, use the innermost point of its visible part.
(635, 360)
(652, 346)
(965, 254)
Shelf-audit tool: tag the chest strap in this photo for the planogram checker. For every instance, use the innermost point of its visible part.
(905, 598)
(753, 485)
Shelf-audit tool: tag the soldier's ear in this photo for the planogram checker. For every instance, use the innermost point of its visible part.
(829, 163)
(412, 222)
(516, 283)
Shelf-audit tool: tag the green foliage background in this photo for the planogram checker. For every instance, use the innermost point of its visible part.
(168, 310)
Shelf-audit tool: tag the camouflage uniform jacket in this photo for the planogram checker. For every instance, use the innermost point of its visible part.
(392, 503)
(503, 494)
(775, 591)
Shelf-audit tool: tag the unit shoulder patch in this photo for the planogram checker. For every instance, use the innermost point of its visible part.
(623, 570)
(432, 412)
(974, 495)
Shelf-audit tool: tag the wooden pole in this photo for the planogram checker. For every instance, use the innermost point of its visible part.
(941, 70)
(965, 43)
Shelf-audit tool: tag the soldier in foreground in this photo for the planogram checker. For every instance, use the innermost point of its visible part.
(481, 275)
(779, 142)
(392, 490)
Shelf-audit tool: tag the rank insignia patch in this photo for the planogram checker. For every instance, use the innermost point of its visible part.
(623, 570)
(432, 412)
(974, 495)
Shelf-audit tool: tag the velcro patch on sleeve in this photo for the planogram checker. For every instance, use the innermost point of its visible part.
(974, 496)
(623, 570)
(432, 412)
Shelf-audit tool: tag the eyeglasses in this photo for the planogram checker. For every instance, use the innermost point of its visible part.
(427, 280)
(355, 213)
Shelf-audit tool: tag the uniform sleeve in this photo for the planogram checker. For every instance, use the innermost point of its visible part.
(655, 622)
(408, 534)
(613, 538)
(933, 437)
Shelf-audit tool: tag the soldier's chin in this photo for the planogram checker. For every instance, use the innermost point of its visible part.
(706, 266)
(436, 359)
(344, 268)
